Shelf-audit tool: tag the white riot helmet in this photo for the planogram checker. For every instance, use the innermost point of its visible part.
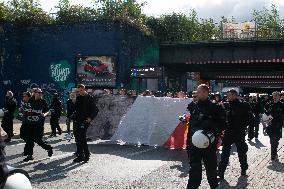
(17, 179)
(266, 118)
(1, 113)
(202, 139)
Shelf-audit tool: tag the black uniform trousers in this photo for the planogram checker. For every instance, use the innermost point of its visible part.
(231, 137)
(35, 134)
(54, 123)
(275, 133)
(7, 125)
(274, 142)
(210, 162)
(79, 131)
(254, 128)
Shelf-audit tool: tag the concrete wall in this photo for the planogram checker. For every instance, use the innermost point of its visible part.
(28, 54)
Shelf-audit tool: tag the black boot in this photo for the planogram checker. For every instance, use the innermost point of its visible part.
(28, 158)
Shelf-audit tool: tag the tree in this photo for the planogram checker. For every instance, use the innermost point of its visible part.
(5, 12)
(178, 27)
(207, 30)
(74, 13)
(28, 13)
(269, 24)
(120, 8)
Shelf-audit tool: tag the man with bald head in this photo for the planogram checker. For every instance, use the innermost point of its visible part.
(209, 117)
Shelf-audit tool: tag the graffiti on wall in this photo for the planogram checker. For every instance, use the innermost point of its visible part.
(60, 72)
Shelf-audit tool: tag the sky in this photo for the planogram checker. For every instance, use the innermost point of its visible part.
(240, 9)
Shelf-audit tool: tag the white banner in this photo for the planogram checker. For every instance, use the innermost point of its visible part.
(151, 120)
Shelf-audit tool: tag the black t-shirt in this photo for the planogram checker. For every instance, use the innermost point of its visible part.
(37, 108)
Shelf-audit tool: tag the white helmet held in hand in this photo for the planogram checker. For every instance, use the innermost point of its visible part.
(266, 118)
(202, 139)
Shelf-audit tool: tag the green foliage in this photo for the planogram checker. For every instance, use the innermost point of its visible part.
(27, 13)
(5, 12)
(181, 28)
(126, 11)
(269, 23)
(74, 13)
(175, 27)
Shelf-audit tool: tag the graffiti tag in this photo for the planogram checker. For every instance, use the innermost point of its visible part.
(59, 72)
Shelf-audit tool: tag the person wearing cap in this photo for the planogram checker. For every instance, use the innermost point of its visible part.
(238, 116)
(55, 109)
(35, 119)
(9, 110)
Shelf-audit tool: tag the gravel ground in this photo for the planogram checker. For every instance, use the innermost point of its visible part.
(115, 166)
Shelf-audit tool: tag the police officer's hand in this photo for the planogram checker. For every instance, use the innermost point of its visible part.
(88, 120)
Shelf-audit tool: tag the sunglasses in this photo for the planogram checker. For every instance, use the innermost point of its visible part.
(194, 96)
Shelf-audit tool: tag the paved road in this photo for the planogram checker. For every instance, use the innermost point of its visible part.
(117, 166)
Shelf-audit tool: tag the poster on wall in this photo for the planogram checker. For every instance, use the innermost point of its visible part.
(96, 71)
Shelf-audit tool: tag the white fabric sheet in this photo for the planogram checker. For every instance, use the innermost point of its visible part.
(151, 120)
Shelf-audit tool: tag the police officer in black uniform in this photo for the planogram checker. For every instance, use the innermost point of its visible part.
(191, 105)
(9, 110)
(55, 109)
(209, 117)
(238, 116)
(23, 111)
(85, 112)
(257, 110)
(274, 127)
(35, 115)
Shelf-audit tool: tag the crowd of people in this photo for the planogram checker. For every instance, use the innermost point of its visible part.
(230, 117)
(233, 117)
(33, 110)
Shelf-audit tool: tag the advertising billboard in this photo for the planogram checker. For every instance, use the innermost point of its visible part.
(239, 30)
(96, 71)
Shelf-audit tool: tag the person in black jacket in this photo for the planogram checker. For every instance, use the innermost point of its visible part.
(238, 116)
(257, 110)
(210, 117)
(3, 166)
(85, 112)
(35, 115)
(55, 109)
(191, 105)
(9, 110)
(70, 111)
(274, 127)
(23, 111)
